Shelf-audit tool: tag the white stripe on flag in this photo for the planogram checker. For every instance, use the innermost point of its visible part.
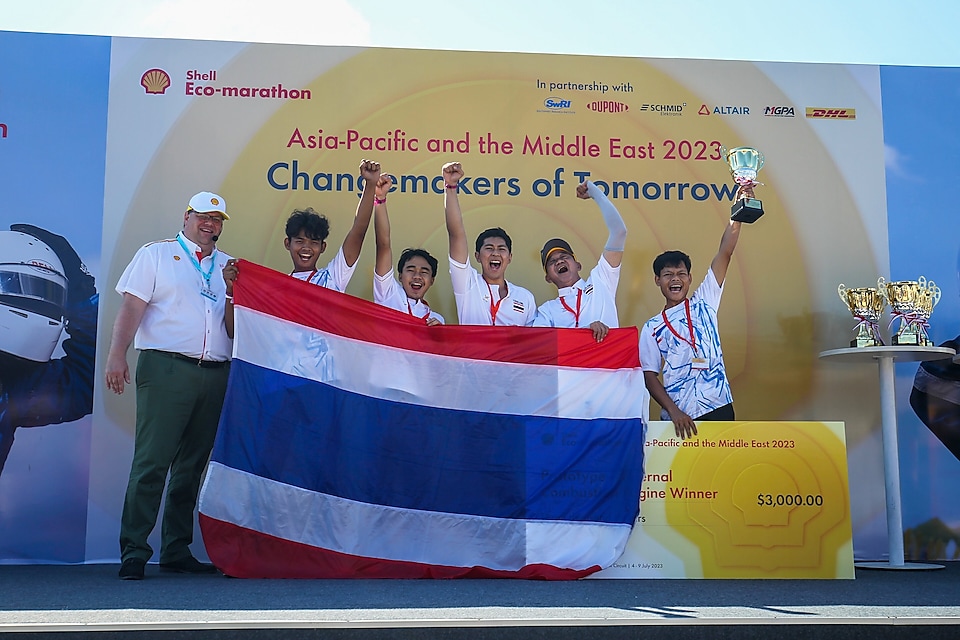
(409, 535)
(412, 377)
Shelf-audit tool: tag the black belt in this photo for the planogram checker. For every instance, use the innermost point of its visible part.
(203, 364)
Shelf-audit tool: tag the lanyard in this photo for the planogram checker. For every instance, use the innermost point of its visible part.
(494, 308)
(693, 339)
(196, 263)
(410, 310)
(576, 314)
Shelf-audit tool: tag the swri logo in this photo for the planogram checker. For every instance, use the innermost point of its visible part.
(155, 81)
(827, 113)
(664, 109)
(779, 112)
(555, 103)
(607, 106)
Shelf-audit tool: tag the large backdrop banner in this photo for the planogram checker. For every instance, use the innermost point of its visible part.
(272, 128)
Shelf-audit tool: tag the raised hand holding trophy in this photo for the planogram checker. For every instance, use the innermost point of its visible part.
(745, 163)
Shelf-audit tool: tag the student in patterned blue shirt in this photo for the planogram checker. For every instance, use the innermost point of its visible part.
(683, 341)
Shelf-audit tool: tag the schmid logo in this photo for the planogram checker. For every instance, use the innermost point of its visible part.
(779, 112)
(724, 110)
(607, 106)
(155, 81)
(664, 109)
(832, 114)
(556, 103)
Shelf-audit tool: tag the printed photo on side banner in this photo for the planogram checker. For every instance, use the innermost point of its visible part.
(49, 289)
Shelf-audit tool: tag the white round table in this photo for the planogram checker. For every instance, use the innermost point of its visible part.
(885, 357)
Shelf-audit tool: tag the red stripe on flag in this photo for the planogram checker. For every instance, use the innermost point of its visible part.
(243, 553)
(277, 294)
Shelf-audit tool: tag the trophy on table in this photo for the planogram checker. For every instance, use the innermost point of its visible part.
(866, 304)
(745, 163)
(912, 303)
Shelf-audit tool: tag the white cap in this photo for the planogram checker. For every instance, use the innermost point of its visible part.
(206, 202)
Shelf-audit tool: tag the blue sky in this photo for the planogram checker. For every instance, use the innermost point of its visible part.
(857, 31)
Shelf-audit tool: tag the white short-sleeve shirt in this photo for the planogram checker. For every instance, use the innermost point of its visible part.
(475, 299)
(335, 275)
(179, 318)
(597, 300)
(388, 291)
(695, 390)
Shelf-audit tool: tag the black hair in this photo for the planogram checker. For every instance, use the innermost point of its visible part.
(314, 225)
(670, 259)
(413, 253)
(495, 232)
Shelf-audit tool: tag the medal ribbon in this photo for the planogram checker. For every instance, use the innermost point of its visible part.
(576, 314)
(693, 339)
(425, 317)
(494, 308)
(196, 263)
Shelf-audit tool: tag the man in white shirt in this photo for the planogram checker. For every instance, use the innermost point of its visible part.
(175, 303)
(307, 232)
(684, 340)
(486, 297)
(591, 303)
(416, 267)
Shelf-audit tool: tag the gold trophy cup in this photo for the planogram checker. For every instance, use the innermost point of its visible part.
(745, 163)
(866, 304)
(912, 303)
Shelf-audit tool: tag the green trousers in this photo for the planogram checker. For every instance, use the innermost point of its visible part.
(178, 409)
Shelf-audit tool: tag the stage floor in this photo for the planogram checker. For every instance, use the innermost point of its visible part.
(62, 599)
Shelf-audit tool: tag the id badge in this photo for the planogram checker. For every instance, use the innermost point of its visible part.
(208, 293)
(699, 364)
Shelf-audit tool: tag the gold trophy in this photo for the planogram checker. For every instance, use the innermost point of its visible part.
(866, 304)
(745, 163)
(912, 303)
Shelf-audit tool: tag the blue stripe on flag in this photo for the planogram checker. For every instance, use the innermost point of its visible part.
(320, 438)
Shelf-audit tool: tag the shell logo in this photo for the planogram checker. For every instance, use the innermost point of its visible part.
(214, 202)
(155, 81)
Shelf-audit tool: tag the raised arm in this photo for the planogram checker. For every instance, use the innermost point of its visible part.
(370, 172)
(727, 244)
(617, 238)
(381, 227)
(452, 172)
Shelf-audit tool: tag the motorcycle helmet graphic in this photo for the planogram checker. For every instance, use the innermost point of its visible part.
(33, 292)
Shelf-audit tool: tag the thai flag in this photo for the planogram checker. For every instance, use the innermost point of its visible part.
(357, 442)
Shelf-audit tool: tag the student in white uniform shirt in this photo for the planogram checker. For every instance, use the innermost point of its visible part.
(591, 303)
(417, 268)
(307, 233)
(484, 298)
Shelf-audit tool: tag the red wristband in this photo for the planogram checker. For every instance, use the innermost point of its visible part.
(377, 200)
(452, 186)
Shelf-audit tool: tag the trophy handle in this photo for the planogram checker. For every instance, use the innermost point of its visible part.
(840, 292)
(882, 289)
(934, 292)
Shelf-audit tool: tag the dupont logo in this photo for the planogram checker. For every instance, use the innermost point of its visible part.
(608, 106)
(826, 113)
(554, 103)
(779, 112)
(664, 109)
(724, 110)
(155, 81)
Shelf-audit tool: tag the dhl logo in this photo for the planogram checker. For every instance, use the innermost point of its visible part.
(833, 114)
